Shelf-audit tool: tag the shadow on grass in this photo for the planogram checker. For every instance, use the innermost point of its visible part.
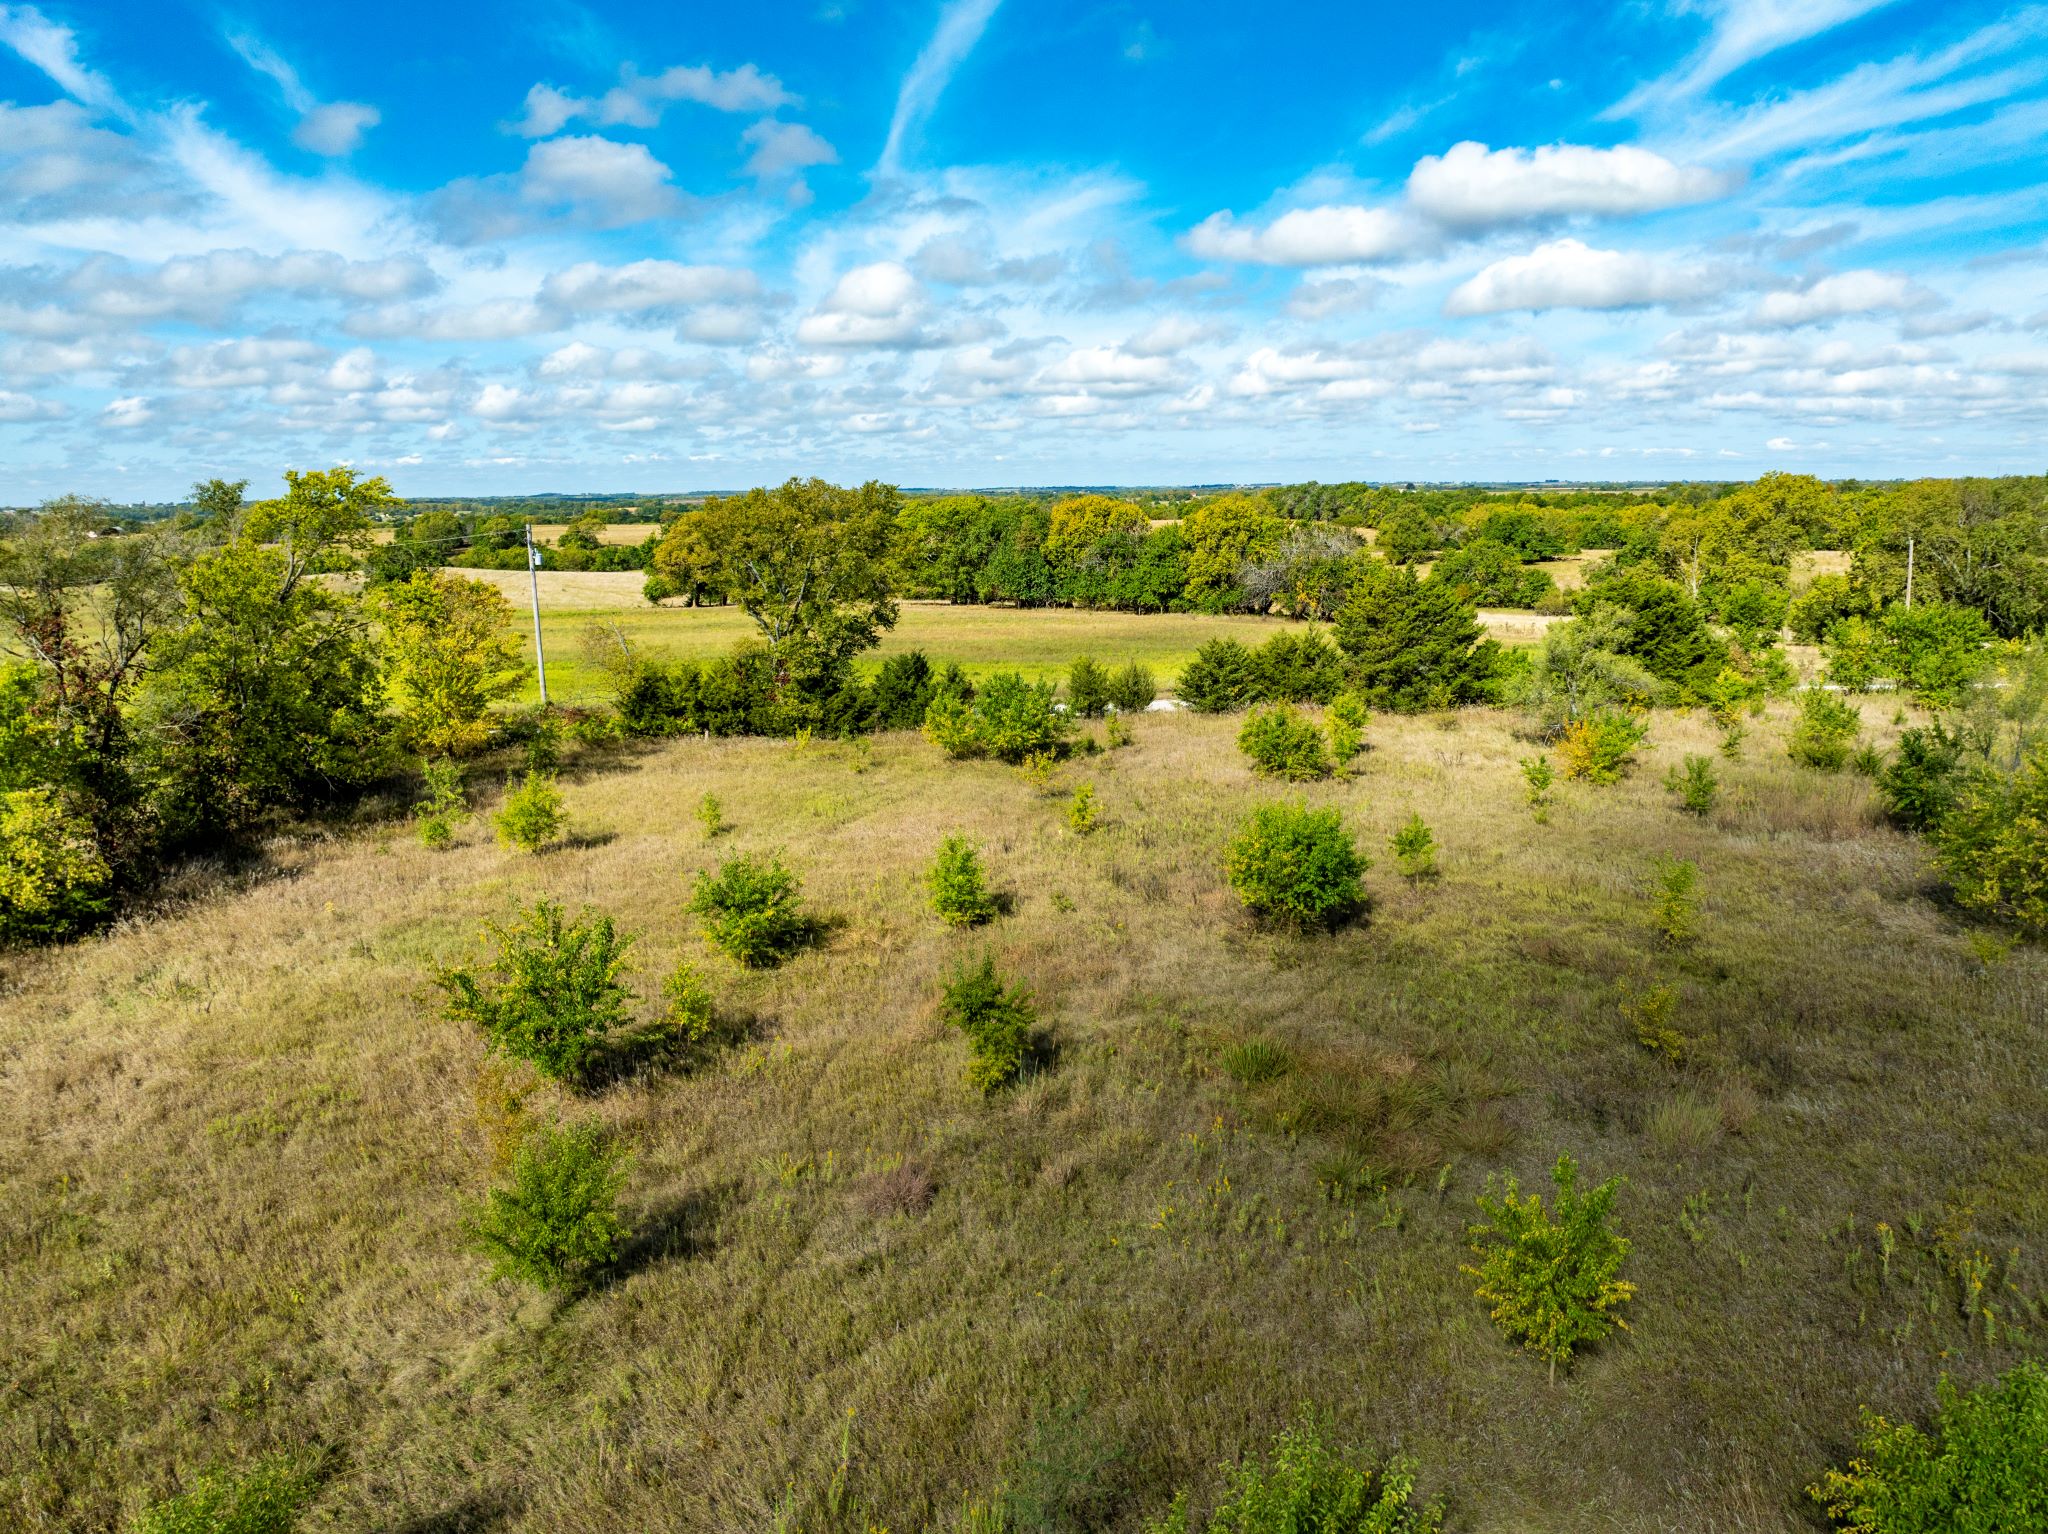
(484, 1510)
(677, 1230)
(654, 1049)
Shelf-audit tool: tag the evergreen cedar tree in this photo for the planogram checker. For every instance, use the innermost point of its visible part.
(1412, 643)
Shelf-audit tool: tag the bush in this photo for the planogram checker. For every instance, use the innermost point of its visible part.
(903, 690)
(1695, 783)
(445, 805)
(1132, 688)
(1676, 916)
(1297, 866)
(551, 995)
(1983, 1470)
(1345, 720)
(1826, 729)
(1223, 676)
(690, 1021)
(1551, 1282)
(532, 814)
(1413, 644)
(1921, 784)
(1010, 719)
(1538, 776)
(1082, 811)
(959, 893)
(1601, 747)
(752, 910)
(1088, 687)
(53, 881)
(266, 1499)
(1298, 668)
(1993, 845)
(1414, 849)
(559, 1220)
(1308, 1487)
(997, 1020)
(1282, 744)
(710, 815)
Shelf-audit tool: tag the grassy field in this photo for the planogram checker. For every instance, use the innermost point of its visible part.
(237, 1140)
(1040, 642)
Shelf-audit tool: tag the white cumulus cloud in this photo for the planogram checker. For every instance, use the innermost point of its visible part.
(1470, 185)
(1333, 235)
(1568, 274)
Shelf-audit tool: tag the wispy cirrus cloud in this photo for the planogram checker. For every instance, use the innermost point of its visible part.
(961, 24)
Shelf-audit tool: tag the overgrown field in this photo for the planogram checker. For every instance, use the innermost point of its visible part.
(237, 1141)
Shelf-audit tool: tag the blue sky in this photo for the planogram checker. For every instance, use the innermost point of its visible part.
(525, 246)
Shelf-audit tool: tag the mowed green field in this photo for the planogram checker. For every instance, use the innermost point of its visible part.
(1040, 642)
(238, 1140)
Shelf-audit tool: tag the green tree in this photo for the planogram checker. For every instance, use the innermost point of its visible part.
(808, 562)
(558, 1222)
(1076, 525)
(1551, 1280)
(1308, 1486)
(321, 522)
(1580, 670)
(267, 696)
(1218, 538)
(551, 995)
(450, 655)
(1412, 643)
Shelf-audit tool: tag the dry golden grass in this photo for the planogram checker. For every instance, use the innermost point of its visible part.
(236, 1141)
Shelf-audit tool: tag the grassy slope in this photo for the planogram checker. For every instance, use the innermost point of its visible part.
(236, 1141)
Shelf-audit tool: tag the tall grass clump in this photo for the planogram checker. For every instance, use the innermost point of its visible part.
(551, 995)
(1551, 1280)
(265, 1499)
(1307, 1485)
(558, 1222)
(1982, 1470)
(1296, 866)
(996, 1018)
(532, 814)
(1283, 744)
(959, 891)
(752, 910)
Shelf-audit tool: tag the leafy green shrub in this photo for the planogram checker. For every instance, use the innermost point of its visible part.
(752, 910)
(1297, 866)
(903, 690)
(1922, 782)
(444, 806)
(1088, 687)
(690, 1024)
(1010, 719)
(1082, 811)
(532, 814)
(710, 815)
(559, 1220)
(53, 880)
(1993, 845)
(1601, 746)
(1223, 676)
(1345, 721)
(552, 993)
(1676, 916)
(1827, 726)
(1132, 688)
(1695, 783)
(996, 1018)
(1298, 667)
(265, 1499)
(1983, 1470)
(1651, 1012)
(1414, 848)
(1307, 1486)
(1551, 1282)
(1825, 603)
(1283, 744)
(1538, 776)
(959, 893)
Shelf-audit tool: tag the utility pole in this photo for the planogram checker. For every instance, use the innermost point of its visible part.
(540, 656)
(1909, 572)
